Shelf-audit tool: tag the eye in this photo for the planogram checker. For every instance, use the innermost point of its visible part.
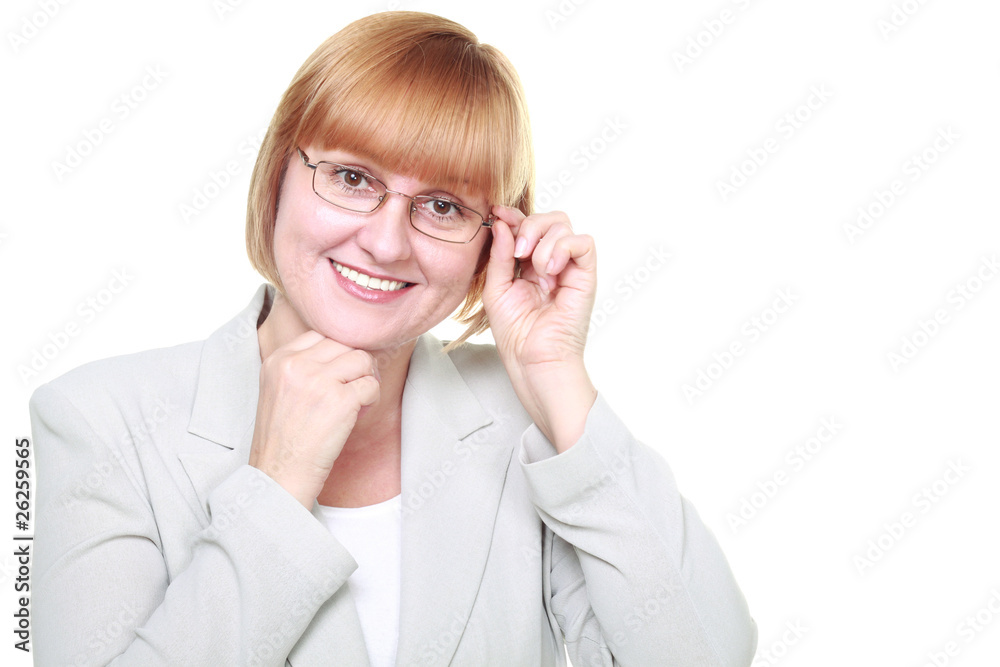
(443, 207)
(353, 179)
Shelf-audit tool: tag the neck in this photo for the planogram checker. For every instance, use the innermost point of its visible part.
(378, 420)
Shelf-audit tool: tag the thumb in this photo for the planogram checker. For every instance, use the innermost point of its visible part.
(500, 269)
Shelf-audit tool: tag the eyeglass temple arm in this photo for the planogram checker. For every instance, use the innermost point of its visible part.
(305, 158)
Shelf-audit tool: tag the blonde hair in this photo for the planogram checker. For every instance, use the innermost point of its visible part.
(418, 94)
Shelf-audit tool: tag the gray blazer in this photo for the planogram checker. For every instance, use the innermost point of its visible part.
(157, 544)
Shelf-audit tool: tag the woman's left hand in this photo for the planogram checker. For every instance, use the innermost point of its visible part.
(540, 318)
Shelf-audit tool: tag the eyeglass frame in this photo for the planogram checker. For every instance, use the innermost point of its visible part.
(485, 221)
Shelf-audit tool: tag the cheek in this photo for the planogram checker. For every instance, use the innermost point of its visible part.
(287, 257)
(293, 268)
(480, 257)
(298, 245)
(457, 269)
(463, 277)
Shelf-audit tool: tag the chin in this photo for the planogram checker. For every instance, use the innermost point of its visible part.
(368, 341)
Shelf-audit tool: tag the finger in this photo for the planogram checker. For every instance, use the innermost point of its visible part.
(533, 228)
(354, 365)
(327, 349)
(541, 256)
(351, 366)
(511, 215)
(366, 390)
(500, 269)
(303, 341)
(578, 248)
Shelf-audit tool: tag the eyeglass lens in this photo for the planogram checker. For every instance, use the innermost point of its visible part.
(357, 191)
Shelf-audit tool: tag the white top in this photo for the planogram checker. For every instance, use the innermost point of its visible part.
(372, 535)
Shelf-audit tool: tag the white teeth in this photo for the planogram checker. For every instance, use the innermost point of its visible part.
(367, 281)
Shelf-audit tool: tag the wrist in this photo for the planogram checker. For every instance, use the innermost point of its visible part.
(302, 491)
(562, 399)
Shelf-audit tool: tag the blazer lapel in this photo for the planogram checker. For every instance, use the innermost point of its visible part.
(225, 400)
(453, 474)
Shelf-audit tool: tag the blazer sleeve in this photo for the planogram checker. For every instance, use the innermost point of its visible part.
(101, 593)
(635, 577)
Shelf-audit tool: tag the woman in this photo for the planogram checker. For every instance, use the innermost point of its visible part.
(323, 482)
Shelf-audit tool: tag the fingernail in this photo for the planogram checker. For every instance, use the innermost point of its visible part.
(550, 265)
(522, 245)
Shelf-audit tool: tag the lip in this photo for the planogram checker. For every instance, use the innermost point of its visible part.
(363, 293)
(372, 274)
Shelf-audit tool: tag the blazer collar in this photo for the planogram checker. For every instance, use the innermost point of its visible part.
(225, 400)
(455, 457)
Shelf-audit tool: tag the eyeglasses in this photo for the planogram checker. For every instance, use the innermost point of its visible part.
(355, 190)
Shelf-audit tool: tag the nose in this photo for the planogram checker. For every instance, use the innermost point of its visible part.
(386, 233)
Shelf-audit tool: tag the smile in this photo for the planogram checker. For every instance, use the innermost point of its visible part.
(367, 281)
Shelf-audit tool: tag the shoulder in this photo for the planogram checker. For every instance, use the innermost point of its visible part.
(156, 380)
(136, 366)
(110, 390)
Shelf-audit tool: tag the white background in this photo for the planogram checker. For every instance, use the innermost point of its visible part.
(682, 128)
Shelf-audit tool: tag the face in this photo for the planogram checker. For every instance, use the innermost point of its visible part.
(315, 241)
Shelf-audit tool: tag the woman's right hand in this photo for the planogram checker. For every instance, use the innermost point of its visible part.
(312, 390)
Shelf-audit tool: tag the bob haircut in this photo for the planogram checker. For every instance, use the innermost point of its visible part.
(419, 95)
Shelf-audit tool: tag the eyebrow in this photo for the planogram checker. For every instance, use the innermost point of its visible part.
(368, 159)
